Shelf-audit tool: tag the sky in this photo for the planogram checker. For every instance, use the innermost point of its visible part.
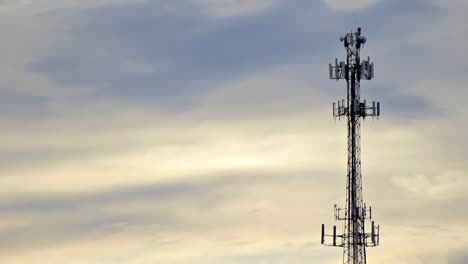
(201, 131)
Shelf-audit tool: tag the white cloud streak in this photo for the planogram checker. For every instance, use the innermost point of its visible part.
(246, 174)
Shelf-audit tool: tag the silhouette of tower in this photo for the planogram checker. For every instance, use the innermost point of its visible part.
(354, 239)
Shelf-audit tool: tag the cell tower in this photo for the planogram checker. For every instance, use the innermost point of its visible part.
(355, 239)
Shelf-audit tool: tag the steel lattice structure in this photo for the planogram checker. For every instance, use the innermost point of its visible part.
(354, 240)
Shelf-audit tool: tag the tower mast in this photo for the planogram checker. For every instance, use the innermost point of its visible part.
(354, 240)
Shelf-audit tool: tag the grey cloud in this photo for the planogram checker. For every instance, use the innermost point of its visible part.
(390, 21)
(196, 53)
(165, 191)
(187, 53)
(20, 108)
(396, 103)
(194, 205)
(459, 258)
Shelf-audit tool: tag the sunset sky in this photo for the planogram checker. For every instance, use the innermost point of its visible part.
(201, 131)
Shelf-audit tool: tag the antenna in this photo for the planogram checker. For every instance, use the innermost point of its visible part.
(355, 239)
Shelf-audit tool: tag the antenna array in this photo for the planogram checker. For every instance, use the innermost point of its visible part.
(354, 238)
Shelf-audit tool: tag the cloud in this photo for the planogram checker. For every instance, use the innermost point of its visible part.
(194, 57)
(232, 8)
(447, 186)
(12, 10)
(155, 153)
(189, 218)
(349, 5)
(460, 257)
(200, 131)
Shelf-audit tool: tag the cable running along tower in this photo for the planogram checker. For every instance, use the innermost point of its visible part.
(354, 238)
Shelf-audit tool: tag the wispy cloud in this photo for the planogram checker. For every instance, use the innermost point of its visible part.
(349, 5)
(200, 131)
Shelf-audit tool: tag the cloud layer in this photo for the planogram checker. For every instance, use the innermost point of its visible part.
(200, 131)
